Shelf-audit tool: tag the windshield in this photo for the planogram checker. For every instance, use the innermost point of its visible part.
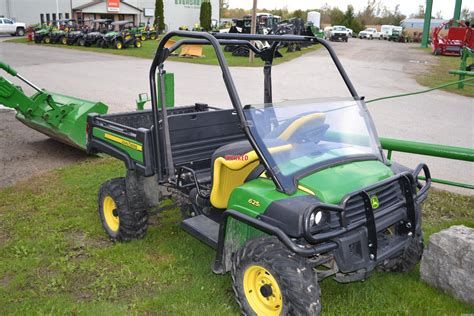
(300, 137)
(339, 28)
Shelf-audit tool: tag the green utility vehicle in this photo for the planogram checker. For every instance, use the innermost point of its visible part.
(122, 38)
(287, 193)
(54, 34)
(94, 32)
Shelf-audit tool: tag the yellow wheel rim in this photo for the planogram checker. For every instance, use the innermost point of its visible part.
(143, 38)
(111, 219)
(119, 45)
(262, 291)
(64, 41)
(47, 40)
(139, 44)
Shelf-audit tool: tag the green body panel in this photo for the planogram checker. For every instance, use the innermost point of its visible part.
(261, 190)
(61, 117)
(329, 185)
(332, 184)
(135, 154)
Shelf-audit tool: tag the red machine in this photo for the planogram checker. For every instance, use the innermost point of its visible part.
(457, 37)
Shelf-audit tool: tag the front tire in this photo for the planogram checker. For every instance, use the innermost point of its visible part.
(268, 279)
(408, 260)
(118, 44)
(119, 220)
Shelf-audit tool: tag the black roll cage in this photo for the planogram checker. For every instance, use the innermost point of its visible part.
(216, 40)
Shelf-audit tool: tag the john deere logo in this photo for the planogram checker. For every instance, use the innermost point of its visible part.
(374, 201)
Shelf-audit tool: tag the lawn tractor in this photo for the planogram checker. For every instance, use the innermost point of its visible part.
(148, 31)
(94, 34)
(287, 193)
(122, 38)
(459, 35)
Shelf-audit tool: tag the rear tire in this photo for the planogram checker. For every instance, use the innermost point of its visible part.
(138, 44)
(408, 260)
(47, 40)
(268, 278)
(119, 220)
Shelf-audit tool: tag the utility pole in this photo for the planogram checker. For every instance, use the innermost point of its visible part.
(57, 12)
(253, 29)
(427, 24)
(457, 10)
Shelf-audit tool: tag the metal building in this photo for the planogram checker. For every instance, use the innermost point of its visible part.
(177, 12)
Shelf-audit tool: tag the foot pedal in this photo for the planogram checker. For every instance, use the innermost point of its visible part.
(203, 228)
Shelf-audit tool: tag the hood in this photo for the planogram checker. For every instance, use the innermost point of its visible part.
(332, 184)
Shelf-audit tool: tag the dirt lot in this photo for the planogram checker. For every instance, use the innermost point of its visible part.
(377, 68)
(25, 152)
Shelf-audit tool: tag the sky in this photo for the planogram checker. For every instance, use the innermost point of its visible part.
(407, 7)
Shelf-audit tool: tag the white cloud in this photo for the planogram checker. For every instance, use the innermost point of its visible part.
(406, 6)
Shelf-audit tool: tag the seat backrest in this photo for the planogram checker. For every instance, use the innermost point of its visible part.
(229, 173)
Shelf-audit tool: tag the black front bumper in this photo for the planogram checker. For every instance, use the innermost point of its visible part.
(363, 243)
(355, 243)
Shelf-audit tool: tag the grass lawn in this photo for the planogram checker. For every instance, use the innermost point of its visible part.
(149, 47)
(439, 74)
(55, 259)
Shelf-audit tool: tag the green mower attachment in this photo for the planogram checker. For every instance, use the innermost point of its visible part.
(60, 117)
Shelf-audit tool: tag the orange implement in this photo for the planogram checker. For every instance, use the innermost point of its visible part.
(191, 51)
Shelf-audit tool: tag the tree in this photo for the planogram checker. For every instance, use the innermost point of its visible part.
(465, 14)
(299, 14)
(420, 14)
(337, 16)
(159, 15)
(205, 15)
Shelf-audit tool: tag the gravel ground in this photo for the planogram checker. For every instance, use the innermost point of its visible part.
(377, 68)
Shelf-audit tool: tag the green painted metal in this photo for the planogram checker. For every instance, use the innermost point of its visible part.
(169, 90)
(261, 190)
(463, 71)
(450, 183)
(332, 184)
(143, 98)
(427, 24)
(457, 10)
(419, 148)
(128, 145)
(441, 151)
(60, 117)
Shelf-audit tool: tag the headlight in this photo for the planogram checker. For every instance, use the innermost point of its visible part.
(316, 218)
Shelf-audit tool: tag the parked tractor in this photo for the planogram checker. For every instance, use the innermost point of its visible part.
(122, 38)
(287, 193)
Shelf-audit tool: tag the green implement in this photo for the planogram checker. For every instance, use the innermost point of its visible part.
(60, 117)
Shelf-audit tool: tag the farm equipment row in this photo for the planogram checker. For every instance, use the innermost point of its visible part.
(101, 33)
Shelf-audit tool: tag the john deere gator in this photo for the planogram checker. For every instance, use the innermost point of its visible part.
(287, 193)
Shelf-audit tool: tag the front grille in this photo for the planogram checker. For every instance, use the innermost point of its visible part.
(387, 196)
